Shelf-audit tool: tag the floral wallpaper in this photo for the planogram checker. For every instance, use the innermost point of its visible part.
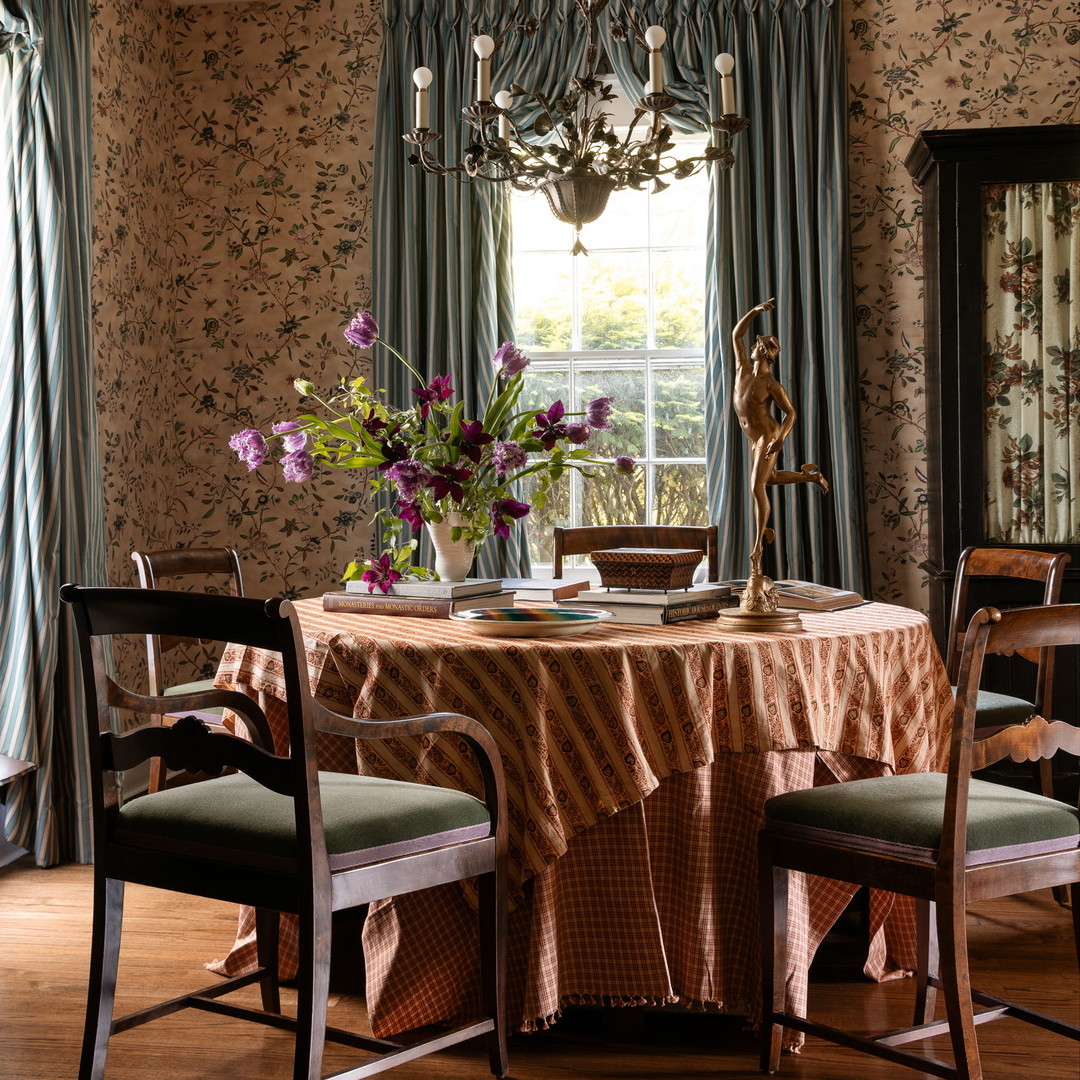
(232, 217)
(929, 64)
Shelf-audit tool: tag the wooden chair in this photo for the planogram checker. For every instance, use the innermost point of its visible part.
(277, 834)
(155, 567)
(943, 839)
(589, 538)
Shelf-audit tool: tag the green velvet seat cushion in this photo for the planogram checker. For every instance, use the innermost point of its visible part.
(905, 813)
(1000, 710)
(193, 688)
(365, 818)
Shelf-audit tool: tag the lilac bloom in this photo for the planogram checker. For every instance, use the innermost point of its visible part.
(295, 437)
(508, 457)
(438, 389)
(578, 433)
(363, 331)
(447, 481)
(624, 464)
(297, 466)
(250, 447)
(409, 512)
(381, 574)
(598, 413)
(409, 478)
(473, 439)
(548, 429)
(509, 360)
(504, 511)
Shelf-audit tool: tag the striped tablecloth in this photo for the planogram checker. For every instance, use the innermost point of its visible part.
(637, 760)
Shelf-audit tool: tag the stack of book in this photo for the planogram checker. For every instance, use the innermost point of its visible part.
(543, 589)
(657, 607)
(420, 599)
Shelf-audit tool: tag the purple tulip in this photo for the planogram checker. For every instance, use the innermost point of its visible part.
(578, 433)
(295, 437)
(509, 360)
(297, 466)
(624, 464)
(250, 447)
(363, 331)
(598, 413)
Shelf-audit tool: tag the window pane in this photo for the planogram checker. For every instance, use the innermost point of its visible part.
(679, 495)
(544, 386)
(535, 228)
(611, 499)
(544, 297)
(623, 224)
(542, 519)
(679, 411)
(679, 299)
(614, 305)
(626, 386)
(679, 215)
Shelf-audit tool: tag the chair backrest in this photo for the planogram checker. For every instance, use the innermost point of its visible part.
(155, 568)
(188, 745)
(589, 538)
(991, 631)
(1045, 567)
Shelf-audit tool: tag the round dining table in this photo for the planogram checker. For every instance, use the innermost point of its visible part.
(637, 760)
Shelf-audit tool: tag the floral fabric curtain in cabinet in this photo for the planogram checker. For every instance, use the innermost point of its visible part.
(1032, 325)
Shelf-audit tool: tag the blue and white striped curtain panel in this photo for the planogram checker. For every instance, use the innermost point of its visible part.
(51, 503)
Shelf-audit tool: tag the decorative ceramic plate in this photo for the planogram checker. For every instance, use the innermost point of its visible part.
(530, 622)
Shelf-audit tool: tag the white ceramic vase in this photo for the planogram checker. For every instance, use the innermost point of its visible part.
(453, 558)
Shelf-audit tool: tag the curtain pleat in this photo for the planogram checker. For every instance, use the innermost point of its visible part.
(778, 227)
(51, 502)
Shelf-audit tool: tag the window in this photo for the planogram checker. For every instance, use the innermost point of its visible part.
(626, 321)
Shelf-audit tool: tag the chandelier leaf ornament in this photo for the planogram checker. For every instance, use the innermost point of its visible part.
(569, 148)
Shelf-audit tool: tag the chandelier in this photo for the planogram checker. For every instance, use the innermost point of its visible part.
(569, 149)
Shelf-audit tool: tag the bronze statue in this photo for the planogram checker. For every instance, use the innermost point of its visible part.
(756, 391)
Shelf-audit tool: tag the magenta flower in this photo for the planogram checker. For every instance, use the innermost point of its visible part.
(409, 512)
(598, 413)
(548, 429)
(473, 439)
(438, 389)
(381, 574)
(447, 481)
(391, 452)
(578, 433)
(409, 478)
(509, 360)
(508, 457)
(295, 438)
(504, 512)
(363, 331)
(624, 464)
(250, 447)
(297, 466)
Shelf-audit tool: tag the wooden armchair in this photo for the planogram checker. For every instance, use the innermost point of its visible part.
(155, 568)
(277, 834)
(943, 839)
(589, 538)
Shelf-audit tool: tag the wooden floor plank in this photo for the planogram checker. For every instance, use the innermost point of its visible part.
(1021, 948)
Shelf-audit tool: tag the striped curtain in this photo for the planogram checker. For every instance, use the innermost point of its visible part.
(778, 227)
(443, 292)
(51, 506)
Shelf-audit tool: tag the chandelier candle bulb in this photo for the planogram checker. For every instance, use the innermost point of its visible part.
(655, 36)
(725, 64)
(483, 46)
(503, 99)
(422, 79)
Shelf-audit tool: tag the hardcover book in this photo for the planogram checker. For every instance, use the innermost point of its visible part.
(657, 597)
(544, 588)
(441, 590)
(415, 607)
(807, 596)
(661, 614)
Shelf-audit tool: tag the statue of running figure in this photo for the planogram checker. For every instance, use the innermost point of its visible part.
(756, 389)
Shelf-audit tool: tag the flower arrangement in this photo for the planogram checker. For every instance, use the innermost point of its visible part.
(437, 464)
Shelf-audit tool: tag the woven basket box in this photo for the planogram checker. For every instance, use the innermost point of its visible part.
(647, 568)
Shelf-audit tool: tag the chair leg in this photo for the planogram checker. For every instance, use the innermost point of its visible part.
(929, 964)
(104, 954)
(492, 915)
(773, 915)
(1074, 889)
(1044, 782)
(956, 983)
(313, 982)
(266, 943)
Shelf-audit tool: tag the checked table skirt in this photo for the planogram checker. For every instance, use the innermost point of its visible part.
(638, 760)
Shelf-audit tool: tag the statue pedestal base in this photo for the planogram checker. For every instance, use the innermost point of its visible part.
(754, 622)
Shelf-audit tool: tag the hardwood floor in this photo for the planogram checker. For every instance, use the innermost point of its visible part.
(1021, 947)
